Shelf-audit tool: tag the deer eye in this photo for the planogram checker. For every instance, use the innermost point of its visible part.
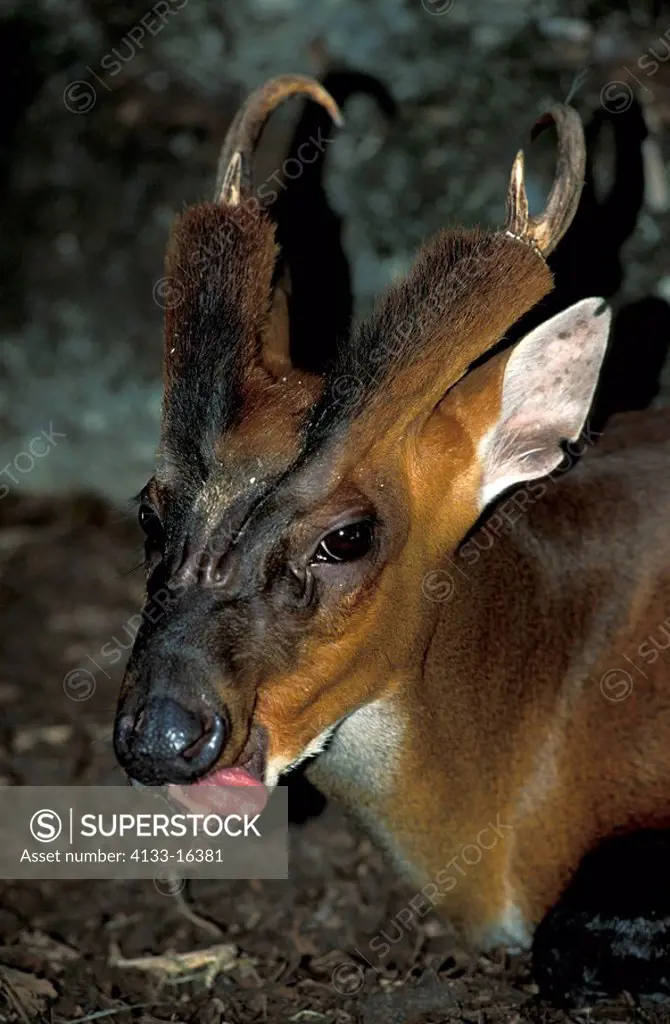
(151, 525)
(346, 544)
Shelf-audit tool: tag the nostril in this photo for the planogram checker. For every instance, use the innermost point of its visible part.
(177, 728)
(208, 727)
(163, 741)
(123, 729)
(196, 757)
(139, 721)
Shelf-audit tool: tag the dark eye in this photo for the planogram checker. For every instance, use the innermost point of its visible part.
(151, 524)
(346, 544)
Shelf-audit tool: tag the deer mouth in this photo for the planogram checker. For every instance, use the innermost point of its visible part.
(236, 789)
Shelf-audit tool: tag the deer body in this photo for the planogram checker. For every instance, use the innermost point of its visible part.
(333, 583)
(483, 764)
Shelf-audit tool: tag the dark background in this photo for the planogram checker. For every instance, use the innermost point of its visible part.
(99, 150)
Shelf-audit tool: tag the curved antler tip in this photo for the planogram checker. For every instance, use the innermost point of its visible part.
(315, 91)
(231, 187)
(549, 227)
(235, 159)
(542, 122)
(516, 221)
(560, 114)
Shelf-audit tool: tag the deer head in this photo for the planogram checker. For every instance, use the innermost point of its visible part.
(228, 373)
(290, 525)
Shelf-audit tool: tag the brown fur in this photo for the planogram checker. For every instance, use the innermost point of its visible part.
(491, 701)
(226, 342)
(220, 266)
(502, 701)
(499, 687)
(464, 292)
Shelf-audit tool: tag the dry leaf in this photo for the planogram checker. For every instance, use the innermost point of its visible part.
(27, 993)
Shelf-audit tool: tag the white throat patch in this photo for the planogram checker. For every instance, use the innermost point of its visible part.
(361, 745)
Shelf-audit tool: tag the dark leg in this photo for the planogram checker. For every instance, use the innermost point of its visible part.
(610, 932)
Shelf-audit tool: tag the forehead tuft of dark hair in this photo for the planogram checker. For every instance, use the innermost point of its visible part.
(464, 292)
(218, 268)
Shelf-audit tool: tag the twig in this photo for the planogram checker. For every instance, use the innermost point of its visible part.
(176, 965)
(97, 1014)
(187, 911)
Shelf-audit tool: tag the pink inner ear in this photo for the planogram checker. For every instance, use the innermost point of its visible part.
(520, 449)
(548, 387)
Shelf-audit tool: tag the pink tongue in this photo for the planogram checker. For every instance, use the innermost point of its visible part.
(226, 791)
(229, 777)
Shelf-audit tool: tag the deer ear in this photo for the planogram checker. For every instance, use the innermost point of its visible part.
(547, 389)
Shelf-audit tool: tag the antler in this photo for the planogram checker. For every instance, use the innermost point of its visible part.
(234, 169)
(545, 231)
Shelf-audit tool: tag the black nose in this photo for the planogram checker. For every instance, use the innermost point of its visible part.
(164, 742)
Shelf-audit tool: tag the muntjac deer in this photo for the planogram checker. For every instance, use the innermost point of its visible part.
(330, 586)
